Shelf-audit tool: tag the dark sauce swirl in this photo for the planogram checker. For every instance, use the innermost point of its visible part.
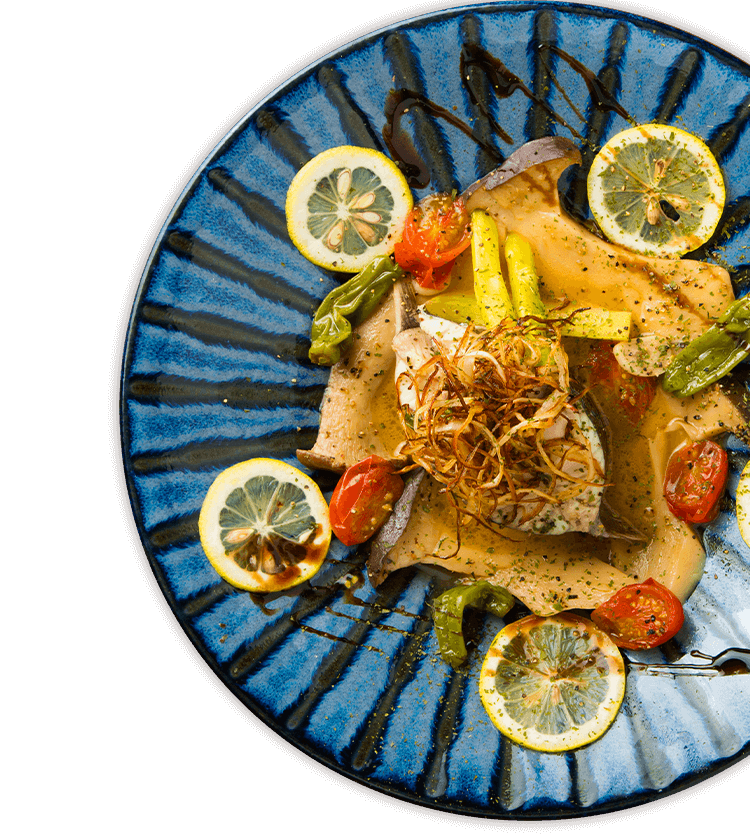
(504, 84)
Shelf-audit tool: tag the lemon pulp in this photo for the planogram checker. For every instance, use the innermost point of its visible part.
(657, 190)
(347, 206)
(552, 684)
(264, 525)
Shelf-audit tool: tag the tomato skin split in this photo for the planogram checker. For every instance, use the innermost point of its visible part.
(435, 233)
(633, 393)
(363, 499)
(694, 481)
(640, 616)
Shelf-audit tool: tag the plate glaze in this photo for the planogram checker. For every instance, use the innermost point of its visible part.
(215, 371)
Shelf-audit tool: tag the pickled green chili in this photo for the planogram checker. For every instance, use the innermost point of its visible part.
(449, 614)
(348, 306)
(712, 355)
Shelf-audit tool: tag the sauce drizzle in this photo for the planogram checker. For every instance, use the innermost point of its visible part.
(504, 83)
(398, 104)
(729, 662)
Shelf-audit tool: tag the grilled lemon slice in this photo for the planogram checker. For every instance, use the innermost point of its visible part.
(657, 190)
(552, 684)
(347, 206)
(264, 525)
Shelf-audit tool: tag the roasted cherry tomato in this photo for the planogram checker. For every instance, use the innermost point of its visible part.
(633, 393)
(640, 615)
(694, 481)
(363, 499)
(436, 231)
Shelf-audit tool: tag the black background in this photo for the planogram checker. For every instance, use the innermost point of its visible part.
(180, 86)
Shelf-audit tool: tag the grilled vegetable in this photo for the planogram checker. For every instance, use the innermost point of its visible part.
(695, 480)
(632, 393)
(436, 231)
(363, 499)
(449, 614)
(524, 282)
(349, 304)
(709, 357)
(493, 300)
(575, 321)
(456, 307)
(640, 615)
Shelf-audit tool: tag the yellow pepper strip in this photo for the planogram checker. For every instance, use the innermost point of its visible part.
(594, 323)
(458, 308)
(493, 300)
(524, 282)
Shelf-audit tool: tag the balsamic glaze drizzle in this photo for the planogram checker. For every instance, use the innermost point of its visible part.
(504, 84)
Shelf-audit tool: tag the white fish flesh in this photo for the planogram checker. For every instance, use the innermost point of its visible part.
(575, 503)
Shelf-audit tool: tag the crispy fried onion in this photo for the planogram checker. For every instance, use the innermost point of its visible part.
(489, 424)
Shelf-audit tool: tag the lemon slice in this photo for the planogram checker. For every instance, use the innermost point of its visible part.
(347, 206)
(742, 505)
(657, 190)
(264, 525)
(552, 684)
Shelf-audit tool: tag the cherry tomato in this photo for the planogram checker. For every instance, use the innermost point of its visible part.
(640, 615)
(363, 499)
(436, 231)
(694, 481)
(632, 393)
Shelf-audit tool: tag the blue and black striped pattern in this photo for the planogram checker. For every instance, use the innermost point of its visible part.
(215, 371)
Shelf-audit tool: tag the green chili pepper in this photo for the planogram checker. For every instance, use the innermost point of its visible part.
(712, 355)
(449, 614)
(348, 306)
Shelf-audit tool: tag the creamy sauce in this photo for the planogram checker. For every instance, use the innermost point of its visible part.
(574, 570)
(670, 297)
(548, 573)
(384, 421)
(674, 298)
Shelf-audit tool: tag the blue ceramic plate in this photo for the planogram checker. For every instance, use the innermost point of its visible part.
(215, 372)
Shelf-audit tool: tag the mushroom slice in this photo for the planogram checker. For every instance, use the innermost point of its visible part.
(647, 356)
(359, 411)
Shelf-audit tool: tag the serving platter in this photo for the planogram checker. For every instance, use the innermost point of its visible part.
(215, 371)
